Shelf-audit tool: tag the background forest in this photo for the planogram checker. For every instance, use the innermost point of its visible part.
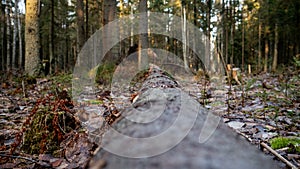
(257, 42)
(259, 33)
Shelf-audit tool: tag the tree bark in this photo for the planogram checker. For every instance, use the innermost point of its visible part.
(259, 45)
(232, 29)
(109, 13)
(32, 55)
(226, 36)
(143, 37)
(20, 42)
(80, 25)
(160, 91)
(53, 60)
(243, 39)
(275, 59)
(86, 19)
(3, 36)
(122, 48)
(208, 33)
(8, 44)
(266, 55)
(15, 32)
(184, 36)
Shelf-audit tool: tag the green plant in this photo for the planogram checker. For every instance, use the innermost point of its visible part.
(249, 83)
(105, 73)
(281, 142)
(62, 78)
(50, 120)
(296, 61)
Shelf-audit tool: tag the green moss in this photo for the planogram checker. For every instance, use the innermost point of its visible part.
(94, 101)
(249, 83)
(46, 130)
(62, 79)
(105, 73)
(40, 131)
(281, 142)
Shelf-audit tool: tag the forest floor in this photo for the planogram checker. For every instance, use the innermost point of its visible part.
(265, 108)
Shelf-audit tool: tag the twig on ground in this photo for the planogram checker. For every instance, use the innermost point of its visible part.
(13, 156)
(278, 156)
(23, 88)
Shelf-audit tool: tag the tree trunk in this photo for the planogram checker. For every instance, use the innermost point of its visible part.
(8, 23)
(86, 19)
(3, 36)
(232, 29)
(208, 38)
(259, 45)
(80, 25)
(266, 55)
(275, 59)
(32, 58)
(15, 32)
(122, 49)
(184, 37)
(143, 37)
(206, 142)
(243, 39)
(226, 37)
(109, 12)
(20, 42)
(52, 59)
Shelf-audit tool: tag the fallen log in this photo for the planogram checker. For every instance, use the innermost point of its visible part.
(166, 128)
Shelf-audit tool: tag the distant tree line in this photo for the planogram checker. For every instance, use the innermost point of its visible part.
(46, 39)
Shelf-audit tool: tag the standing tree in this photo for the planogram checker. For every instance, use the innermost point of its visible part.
(8, 20)
(109, 14)
(20, 62)
(15, 31)
(184, 35)
(53, 60)
(143, 38)
(275, 59)
(2, 28)
(33, 65)
(80, 25)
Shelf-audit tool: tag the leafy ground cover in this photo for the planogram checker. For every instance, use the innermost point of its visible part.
(264, 108)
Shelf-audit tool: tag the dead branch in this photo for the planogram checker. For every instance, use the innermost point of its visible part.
(278, 156)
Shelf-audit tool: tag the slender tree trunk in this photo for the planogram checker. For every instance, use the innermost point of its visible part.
(20, 42)
(266, 55)
(143, 37)
(8, 45)
(226, 37)
(275, 59)
(184, 37)
(208, 55)
(32, 55)
(243, 40)
(109, 11)
(259, 45)
(195, 64)
(86, 19)
(232, 29)
(131, 28)
(15, 32)
(80, 25)
(53, 60)
(3, 36)
(122, 49)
